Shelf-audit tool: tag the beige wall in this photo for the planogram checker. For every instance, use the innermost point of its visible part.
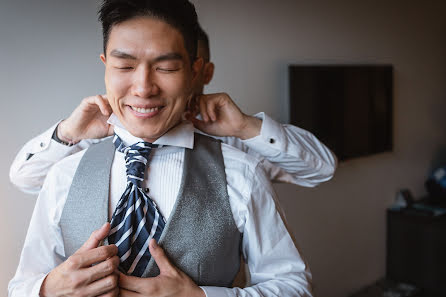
(49, 61)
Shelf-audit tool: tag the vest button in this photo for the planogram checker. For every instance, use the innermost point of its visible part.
(147, 190)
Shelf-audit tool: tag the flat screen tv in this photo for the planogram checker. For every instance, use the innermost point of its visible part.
(348, 107)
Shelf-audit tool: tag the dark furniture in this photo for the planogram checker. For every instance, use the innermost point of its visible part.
(416, 250)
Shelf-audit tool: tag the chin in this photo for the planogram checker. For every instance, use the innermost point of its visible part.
(147, 133)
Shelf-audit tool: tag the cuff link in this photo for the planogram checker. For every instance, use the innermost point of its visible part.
(272, 140)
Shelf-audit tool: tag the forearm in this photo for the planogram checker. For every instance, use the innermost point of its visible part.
(292, 155)
(35, 159)
(250, 128)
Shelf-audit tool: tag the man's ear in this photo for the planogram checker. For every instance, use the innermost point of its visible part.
(196, 68)
(208, 72)
(103, 59)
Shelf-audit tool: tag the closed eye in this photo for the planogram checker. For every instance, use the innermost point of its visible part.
(168, 70)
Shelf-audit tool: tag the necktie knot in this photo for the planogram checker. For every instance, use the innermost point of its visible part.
(136, 157)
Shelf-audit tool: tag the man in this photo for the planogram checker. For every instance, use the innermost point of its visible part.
(292, 155)
(149, 55)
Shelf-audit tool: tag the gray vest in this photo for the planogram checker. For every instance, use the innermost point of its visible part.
(200, 237)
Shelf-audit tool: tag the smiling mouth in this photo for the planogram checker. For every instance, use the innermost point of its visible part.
(145, 113)
(145, 110)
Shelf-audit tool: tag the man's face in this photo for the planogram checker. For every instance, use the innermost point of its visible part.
(148, 76)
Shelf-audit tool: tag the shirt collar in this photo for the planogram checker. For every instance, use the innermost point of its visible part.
(181, 135)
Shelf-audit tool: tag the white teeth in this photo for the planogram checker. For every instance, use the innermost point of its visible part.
(144, 110)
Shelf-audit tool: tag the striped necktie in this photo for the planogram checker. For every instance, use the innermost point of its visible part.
(136, 219)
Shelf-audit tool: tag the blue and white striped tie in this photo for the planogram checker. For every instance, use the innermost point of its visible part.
(136, 219)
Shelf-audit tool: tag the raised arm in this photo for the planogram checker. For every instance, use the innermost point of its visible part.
(289, 154)
(84, 126)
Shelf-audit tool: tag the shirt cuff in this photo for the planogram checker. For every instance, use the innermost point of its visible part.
(271, 141)
(29, 287)
(45, 142)
(216, 291)
(36, 288)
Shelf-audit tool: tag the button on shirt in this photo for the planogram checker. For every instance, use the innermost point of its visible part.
(266, 244)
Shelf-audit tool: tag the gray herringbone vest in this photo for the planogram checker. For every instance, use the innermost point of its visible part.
(200, 237)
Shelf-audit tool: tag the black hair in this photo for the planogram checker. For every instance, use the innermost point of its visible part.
(180, 14)
(204, 39)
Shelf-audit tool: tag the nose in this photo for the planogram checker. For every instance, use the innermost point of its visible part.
(144, 85)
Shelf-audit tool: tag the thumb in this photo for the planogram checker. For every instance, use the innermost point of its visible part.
(95, 238)
(199, 124)
(160, 257)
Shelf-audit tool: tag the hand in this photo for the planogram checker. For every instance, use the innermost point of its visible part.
(77, 277)
(222, 117)
(88, 120)
(170, 282)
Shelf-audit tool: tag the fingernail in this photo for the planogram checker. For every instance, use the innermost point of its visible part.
(154, 244)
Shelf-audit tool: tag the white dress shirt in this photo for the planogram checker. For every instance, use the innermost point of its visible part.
(288, 154)
(275, 265)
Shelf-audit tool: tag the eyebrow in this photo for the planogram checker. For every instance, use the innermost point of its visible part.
(123, 55)
(169, 56)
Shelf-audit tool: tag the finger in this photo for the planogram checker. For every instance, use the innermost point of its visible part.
(103, 104)
(132, 283)
(102, 286)
(200, 125)
(95, 238)
(103, 269)
(89, 103)
(96, 255)
(211, 108)
(203, 109)
(160, 258)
